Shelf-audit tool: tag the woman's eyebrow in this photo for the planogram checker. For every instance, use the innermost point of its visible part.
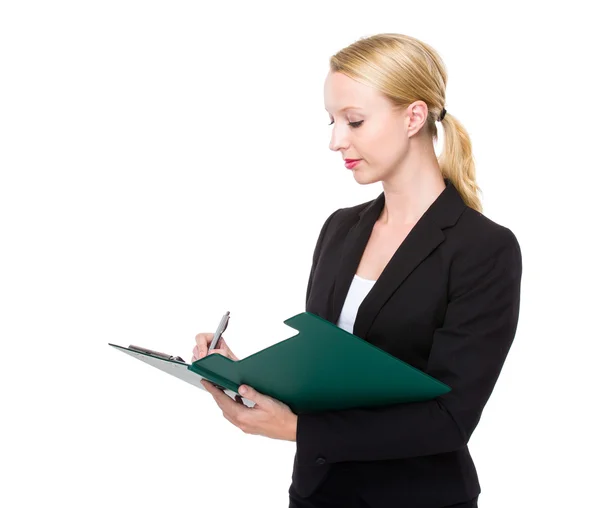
(346, 108)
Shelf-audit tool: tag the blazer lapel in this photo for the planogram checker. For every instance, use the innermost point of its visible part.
(422, 239)
(352, 251)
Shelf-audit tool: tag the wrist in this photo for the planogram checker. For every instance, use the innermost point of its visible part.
(293, 427)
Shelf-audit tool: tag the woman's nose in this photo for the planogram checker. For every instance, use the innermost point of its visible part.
(337, 143)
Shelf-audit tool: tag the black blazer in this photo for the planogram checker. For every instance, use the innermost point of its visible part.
(446, 303)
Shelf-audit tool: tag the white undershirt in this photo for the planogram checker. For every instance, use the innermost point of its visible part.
(356, 294)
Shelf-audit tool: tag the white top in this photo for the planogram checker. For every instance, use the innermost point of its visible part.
(356, 294)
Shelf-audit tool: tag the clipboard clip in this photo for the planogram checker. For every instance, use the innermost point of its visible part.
(164, 356)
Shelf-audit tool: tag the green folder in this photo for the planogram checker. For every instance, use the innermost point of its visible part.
(321, 368)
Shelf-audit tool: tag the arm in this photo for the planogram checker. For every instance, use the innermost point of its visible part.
(467, 354)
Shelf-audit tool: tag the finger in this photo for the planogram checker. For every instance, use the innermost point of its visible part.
(251, 394)
(224, 401)
(229, 353)
(230, 420)
(202, 341)
(221, 352)
(210, 387)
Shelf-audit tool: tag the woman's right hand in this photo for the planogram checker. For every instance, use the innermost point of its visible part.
(203, 341)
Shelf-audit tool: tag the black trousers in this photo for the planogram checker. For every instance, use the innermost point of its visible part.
(310, 502)
(336, 492)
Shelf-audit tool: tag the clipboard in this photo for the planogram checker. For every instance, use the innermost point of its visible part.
(322, 368)
(176, 366)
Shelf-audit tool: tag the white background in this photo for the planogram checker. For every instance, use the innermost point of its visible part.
(163, 162)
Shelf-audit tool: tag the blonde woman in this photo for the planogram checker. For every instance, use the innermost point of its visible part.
(419, 272)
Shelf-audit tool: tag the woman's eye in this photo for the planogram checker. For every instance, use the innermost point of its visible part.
(352, 124)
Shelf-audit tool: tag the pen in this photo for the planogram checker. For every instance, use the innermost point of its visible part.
(220, 329)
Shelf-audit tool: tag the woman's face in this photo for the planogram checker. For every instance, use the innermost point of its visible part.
(371, 130)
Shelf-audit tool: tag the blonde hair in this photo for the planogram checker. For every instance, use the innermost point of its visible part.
(405, 70)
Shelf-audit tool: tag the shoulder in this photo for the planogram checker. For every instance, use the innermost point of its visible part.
(346, 215)
(478, 233)
(481, 246)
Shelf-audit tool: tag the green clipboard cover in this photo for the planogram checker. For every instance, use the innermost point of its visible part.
(322, 368)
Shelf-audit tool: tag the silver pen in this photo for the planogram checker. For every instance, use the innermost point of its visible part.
(220, 329)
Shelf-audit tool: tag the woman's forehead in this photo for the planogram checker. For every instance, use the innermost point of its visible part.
(343, 93)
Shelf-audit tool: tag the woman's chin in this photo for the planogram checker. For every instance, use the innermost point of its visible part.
(363, 178)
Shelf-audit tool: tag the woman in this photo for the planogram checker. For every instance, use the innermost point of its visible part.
(418, 272)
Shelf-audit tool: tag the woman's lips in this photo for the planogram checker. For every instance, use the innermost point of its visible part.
(352, 164)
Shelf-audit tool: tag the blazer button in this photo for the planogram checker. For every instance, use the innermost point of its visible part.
(320, 461)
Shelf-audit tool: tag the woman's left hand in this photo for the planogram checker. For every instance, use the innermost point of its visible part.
(269, 417)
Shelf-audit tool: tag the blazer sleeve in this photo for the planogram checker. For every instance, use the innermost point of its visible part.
(467, 353)
(317, 253)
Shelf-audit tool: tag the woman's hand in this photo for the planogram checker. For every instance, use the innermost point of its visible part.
(269, 417)
(203, 340)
